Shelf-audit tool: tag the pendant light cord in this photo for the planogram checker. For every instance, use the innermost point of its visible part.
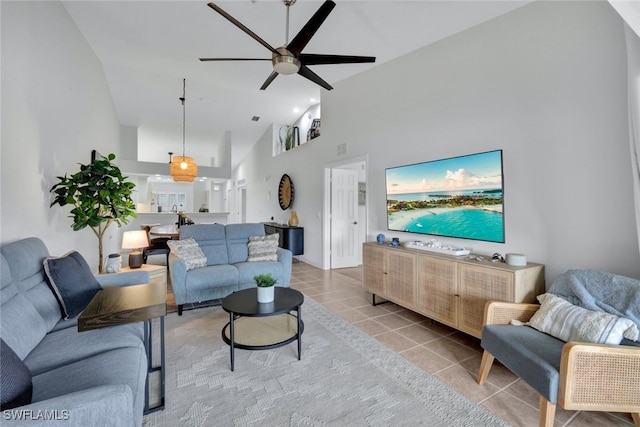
(184, 84)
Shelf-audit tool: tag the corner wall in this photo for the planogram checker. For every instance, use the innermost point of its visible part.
(546, 83)
(56, 108)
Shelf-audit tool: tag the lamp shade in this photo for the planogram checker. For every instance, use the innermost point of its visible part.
(135, 239)
(183, 169)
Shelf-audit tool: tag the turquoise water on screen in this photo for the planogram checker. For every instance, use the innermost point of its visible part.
(468, 224)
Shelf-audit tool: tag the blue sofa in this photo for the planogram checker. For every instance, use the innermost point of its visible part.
(79, 378)
(227, 269)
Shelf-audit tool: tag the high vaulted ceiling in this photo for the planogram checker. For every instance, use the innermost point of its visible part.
(147, 48)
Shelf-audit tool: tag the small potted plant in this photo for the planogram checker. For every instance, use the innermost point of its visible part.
(266, 284)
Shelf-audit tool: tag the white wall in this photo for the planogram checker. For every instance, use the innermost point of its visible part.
(56, 108)
(546, 83)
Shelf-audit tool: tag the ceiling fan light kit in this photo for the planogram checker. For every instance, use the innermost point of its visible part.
(284, 62)
(289, 59)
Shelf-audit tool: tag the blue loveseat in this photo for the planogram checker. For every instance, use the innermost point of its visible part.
(78, 378)
(227, 267)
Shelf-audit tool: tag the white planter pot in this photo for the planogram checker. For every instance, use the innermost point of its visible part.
(265, 294)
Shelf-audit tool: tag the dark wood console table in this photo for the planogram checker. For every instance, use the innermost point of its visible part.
(291, 237)
(115, 305)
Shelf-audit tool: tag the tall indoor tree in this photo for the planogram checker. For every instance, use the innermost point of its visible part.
(100, 196)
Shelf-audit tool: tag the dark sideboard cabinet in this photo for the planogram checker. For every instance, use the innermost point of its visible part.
(291, 238)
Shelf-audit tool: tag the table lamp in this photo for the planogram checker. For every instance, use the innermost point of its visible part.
(136, 240)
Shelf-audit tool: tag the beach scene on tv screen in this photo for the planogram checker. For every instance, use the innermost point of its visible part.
(458, 197)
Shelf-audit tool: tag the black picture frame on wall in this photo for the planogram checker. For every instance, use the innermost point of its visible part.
(95, 155)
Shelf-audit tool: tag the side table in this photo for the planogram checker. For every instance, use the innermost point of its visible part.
(115, 305)
(157, 273)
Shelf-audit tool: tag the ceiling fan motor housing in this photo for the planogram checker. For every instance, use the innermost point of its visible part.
(285, 62)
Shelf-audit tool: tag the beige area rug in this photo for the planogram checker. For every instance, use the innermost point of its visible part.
(345, 378)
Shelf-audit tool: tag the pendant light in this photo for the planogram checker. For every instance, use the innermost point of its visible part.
(183, 168)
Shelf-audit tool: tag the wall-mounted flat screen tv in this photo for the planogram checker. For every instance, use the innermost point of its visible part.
(458, 197)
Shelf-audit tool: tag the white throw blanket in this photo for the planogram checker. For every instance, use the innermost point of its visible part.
(602, 291)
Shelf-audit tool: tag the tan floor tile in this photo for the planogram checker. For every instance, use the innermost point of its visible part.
(462, 381)
(513, 411)
(418, 333)
(352, 316)
(527, 394)
(450, 350)
(395, 341)
(499, 376)
(393, 321)
(425, 359)
(371, 311)
(371, 327)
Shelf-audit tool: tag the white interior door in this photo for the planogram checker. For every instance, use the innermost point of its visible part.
(344, 218)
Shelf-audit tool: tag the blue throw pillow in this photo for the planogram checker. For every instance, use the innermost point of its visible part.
(72, 282)
(15, 379)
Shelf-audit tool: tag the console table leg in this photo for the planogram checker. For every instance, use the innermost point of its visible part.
(373, 300)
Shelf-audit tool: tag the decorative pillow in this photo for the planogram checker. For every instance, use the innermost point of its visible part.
(563, 320)
(263, 248)
(72, 282)
(189, 251)
(15, 379)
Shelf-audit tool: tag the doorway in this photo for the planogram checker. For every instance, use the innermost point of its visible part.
(242, 204)
(345, 213)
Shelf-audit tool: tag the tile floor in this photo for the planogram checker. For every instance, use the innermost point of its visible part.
(451, 356)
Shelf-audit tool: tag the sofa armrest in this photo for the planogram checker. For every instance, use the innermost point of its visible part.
(502, 313)
(285, 257)
(178, 271)
(105, 405)
(599, 377)
(126, 278)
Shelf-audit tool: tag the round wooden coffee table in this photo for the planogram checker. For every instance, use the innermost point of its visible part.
(259, 326)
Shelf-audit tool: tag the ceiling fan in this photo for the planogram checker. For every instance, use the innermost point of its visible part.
(289, 59)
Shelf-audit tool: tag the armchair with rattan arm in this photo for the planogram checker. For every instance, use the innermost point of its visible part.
(577, 376)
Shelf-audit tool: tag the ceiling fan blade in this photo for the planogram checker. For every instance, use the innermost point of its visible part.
(305, 72)
(313, 59)
(267, 82)
(238, 24)
(234, 59)
(302, 38)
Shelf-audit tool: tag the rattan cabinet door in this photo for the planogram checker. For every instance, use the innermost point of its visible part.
(477, 285)
(438, 289)
(374, 264)
(400, 277)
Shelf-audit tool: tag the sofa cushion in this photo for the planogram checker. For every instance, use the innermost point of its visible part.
(15, 379)
(238, 239)
(71, 281)
(247, 270)
(263, 248)
(531, 355)
(23, 272)
(115, 367)
(21, 326)
(67, 345)
(189, 251)
(561, 319)
(212, 241)
(220, 275)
